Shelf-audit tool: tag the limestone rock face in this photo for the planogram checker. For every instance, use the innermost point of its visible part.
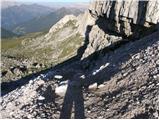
(98, 40)
(61, 24)
(126, 19)
(136, 12)
(85, 20)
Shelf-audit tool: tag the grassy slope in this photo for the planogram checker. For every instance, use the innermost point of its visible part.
(35, 48)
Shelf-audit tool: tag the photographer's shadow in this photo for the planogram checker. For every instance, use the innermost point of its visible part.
(73, 97)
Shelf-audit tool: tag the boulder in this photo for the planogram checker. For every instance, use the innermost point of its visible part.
(41, 98)
(93, 86)
(61, 90)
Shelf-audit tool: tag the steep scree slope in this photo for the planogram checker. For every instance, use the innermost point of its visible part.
(130, 88)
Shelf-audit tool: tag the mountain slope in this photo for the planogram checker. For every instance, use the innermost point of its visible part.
(20, 13)
(37, 51)
(43, 23)
(130, 88)
(6, 34)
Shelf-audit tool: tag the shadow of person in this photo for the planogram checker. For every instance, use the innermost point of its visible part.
(73, 97)
(82, 49)
(74, 93)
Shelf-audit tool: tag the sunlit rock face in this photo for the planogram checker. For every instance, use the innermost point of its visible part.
(123, 19)
(124, 14)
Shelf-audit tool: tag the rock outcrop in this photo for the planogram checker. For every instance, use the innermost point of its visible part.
(60, 24)
(136, 12)
(126, 19)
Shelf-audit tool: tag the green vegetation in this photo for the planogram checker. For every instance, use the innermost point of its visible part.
(70, 23)
(69, 45)
(16, 42)
(10, 44)
(35, 48)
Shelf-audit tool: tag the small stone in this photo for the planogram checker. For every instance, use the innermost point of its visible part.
(11, 113)
(101, 86)
(138, 102)
(41, 98)
(107, 109)
(155, 114)
(43, 115)
(94, 73)
(42, 75)
(155, 76)
(39, 103)
(31, 81)
(40, 82)
(17, 71)
(107, 64)
(89, 111)
(58, 77)
(93, 86)
(61, 90)
(22, 87)
(34, 113)
(102, 67)
(138, 68)
(29, 116)
(137, 56)
(100, 117)
(125, 74)
(82, 76)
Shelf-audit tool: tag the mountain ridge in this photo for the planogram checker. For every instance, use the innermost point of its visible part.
(20, 13)
(43, 23)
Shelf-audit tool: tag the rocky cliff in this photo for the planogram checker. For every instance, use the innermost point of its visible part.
(123, 19)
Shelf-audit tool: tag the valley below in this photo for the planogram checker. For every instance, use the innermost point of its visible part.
(35, 52)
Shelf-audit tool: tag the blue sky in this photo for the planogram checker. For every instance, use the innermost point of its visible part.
(52, 1)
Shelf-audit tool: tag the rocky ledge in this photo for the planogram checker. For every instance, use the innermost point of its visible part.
(110, 22)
